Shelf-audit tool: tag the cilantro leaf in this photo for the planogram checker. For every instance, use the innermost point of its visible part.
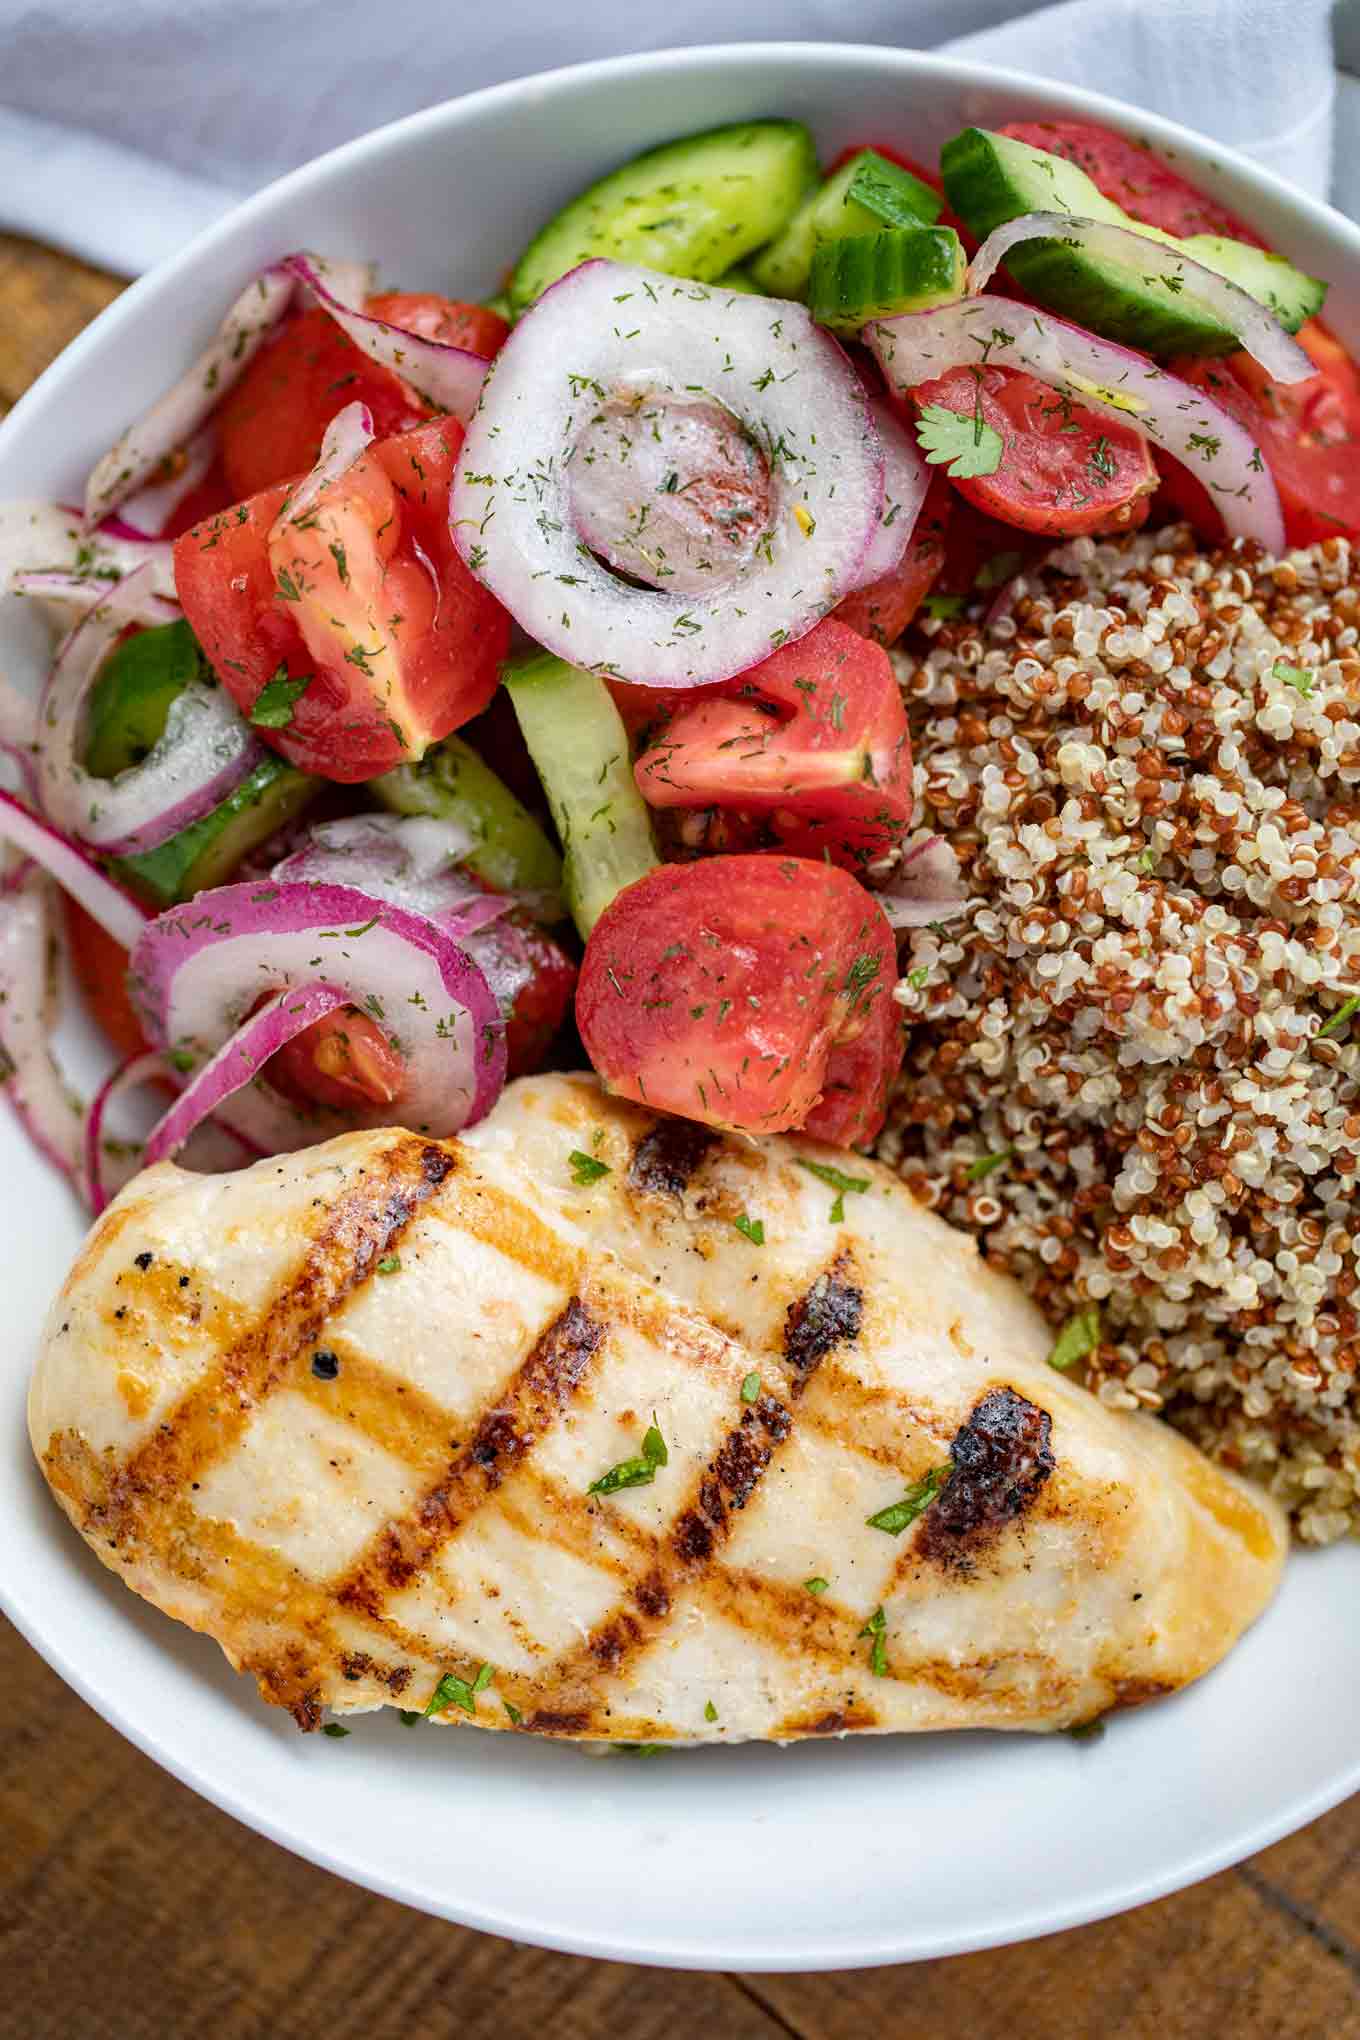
(461, 1693)
(333, 1728)
(943, 606)
(710, 1711)
(587, 1168)
(843, 1185)
(1078, 1337)
(970, 445)
(750, 1388)
(752, 1229)
(272, 708)
(638, 1472)
(874, 1629)
(1338, 1020)
(985, 1164)
(816, 1585)
(918, 1498)
(1298, 677)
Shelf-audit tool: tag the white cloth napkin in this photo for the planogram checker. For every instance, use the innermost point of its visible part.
(125, 129)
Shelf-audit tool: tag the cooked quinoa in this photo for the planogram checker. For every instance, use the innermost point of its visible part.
(1133, 1067)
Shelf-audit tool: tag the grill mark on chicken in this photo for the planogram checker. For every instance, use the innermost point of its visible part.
(829, 1315)
(525, 1410)
(688, 1550)
(1001, 1459)
(210, 1417)
(667, 1157)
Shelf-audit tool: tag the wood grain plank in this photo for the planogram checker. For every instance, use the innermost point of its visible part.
(45, 299)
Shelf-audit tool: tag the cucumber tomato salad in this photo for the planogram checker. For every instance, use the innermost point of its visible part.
(442, 688)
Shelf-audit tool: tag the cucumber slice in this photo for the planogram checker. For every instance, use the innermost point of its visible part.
(691, 208)
(500, 304)
(865, 194)
(577, 741)
(209, 850)
(131, 699)
(992, 178)
(738, 279)
(873, 276)
(512, 852)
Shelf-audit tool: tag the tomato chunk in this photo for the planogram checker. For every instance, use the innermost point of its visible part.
(364, 600)
(814, 737)
(883, 610)
(100, 967)
(452, 320)
(1134, 178)
(724, 989)
(1064, 469)
(344, 1060)
(1308, 433)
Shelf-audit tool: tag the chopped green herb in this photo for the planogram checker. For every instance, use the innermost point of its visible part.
(272, 708)
(389, 1264)
(710, 1711)
(752, 1229)
(1339, 1019)
(1078, 1337)
(455, 1692)
(640, 1749)
(941, 607)
(874, 1629)
(837, 1180)
(515, 1716)
(587, 1168)
(919, 978)
(639, 1472)
(985, 1164)
(970, 445)
(409, 1716)
(898, 1516)
(334, 1730)
(750, 1388)
(1298, 677)
(816, 1585)
(1088, 1731)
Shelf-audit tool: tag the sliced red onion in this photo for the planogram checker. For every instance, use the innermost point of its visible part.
(198, 971)
(926, 886)
(917, 346)
(345, 438)
(408, 859)
(39, 1093)
(448, 377)
(608, 332)
(109, 1165)
(1257, 329)
(68, 597)
(146, 514)
(46, 555)
(239, 1061)
(102, 900)
(204, 752)
(18, 716)
(905, 481)
(174, 418)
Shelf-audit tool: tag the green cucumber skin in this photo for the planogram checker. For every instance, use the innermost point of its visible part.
(715, 198)
(209, 850)
(875, 276)
(990, 179)
(832, 213)
(453, 782)
(133, 694)
(580, 749)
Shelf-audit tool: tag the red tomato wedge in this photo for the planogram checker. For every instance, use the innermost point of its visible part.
(883, 610)
(100, 966)
(1308, 433)
(1134, 178)
(814, 737)
(1064, 469)
(364, 600)
(271, 425)
(724, 989)
(344, 1060)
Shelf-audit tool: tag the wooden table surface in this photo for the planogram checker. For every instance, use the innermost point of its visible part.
(130, 1910)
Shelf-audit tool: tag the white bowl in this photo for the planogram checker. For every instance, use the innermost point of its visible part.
(827, 1856)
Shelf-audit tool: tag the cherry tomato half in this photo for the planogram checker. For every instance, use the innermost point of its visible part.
(363, 599)
(723, 989)
(1064, 469)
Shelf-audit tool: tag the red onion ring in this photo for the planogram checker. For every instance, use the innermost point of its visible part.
(137, 1070)
(117, 914)
(37, 1090)
(239, 1061)
(344, 439)
(197, 972)
(146, 514)
(407, 859)
(905, 481)
(926, 885)
(1256, 328)
(917, 346)
(448, 377)
(173, 419)
(206, 749)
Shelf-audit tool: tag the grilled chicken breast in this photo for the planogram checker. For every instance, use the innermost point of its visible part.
(343, 1411)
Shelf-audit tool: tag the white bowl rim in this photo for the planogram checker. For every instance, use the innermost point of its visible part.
(1118, 1895)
